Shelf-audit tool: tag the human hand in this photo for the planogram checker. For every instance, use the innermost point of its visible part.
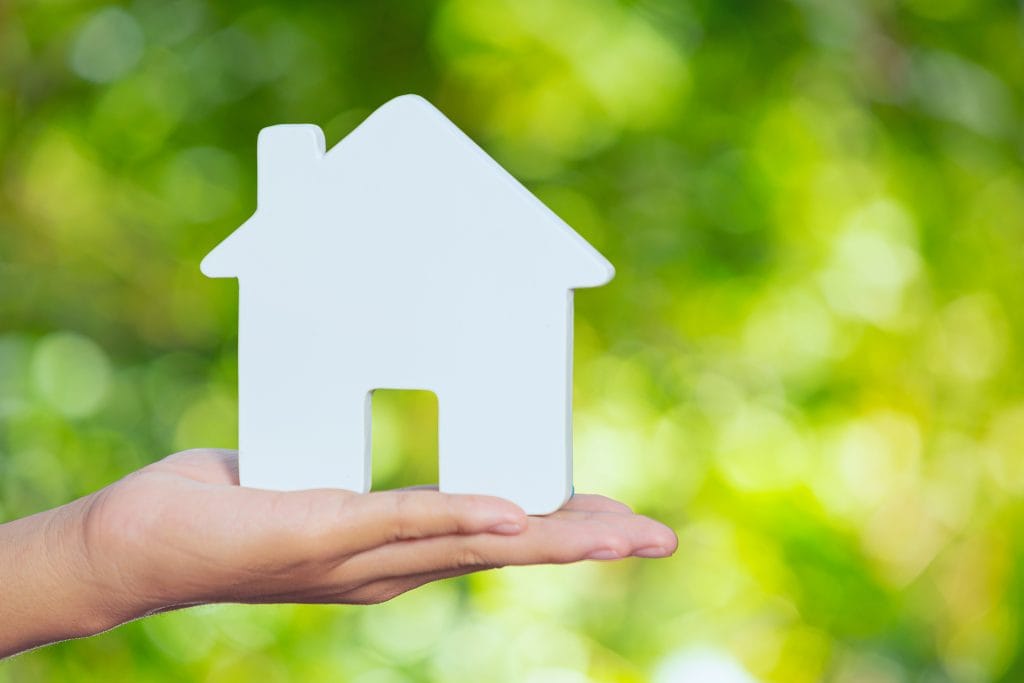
(182, 532)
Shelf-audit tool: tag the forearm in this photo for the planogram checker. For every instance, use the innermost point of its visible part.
(48, 588)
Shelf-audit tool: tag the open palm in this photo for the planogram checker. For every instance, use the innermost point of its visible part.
(182, 531)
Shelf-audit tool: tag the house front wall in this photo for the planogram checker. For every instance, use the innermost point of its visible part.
(498, 358)
(302, 424)
(505, 414)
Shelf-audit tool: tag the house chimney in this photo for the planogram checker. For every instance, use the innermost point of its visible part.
(283, 156)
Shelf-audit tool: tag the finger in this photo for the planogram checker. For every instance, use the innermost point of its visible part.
(614, 535)
(589, 502)
(385, 589)
(370, 592)
(375, 519)
(550, 540)
(579, 501)
(650, 538)
(286, 536)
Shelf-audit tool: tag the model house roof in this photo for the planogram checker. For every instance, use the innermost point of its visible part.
(405, 153)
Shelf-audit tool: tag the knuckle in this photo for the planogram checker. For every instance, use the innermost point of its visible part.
(455, 510)
(468, 557)
(399, 515)
(618, 545)
(407, 516)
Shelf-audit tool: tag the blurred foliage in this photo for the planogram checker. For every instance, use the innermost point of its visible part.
(809, 364)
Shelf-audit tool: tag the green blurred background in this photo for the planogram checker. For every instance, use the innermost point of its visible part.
(809, 363)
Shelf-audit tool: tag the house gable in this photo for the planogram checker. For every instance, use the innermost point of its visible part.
(405, 133)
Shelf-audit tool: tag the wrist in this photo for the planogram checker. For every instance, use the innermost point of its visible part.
(50, 588)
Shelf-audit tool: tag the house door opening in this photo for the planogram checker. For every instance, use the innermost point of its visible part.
(403, 438)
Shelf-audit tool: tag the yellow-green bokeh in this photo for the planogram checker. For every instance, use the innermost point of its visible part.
(809, 363)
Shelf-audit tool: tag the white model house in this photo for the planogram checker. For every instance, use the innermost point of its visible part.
(403, 258)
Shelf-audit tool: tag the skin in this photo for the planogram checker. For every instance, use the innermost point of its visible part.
(182, 532)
